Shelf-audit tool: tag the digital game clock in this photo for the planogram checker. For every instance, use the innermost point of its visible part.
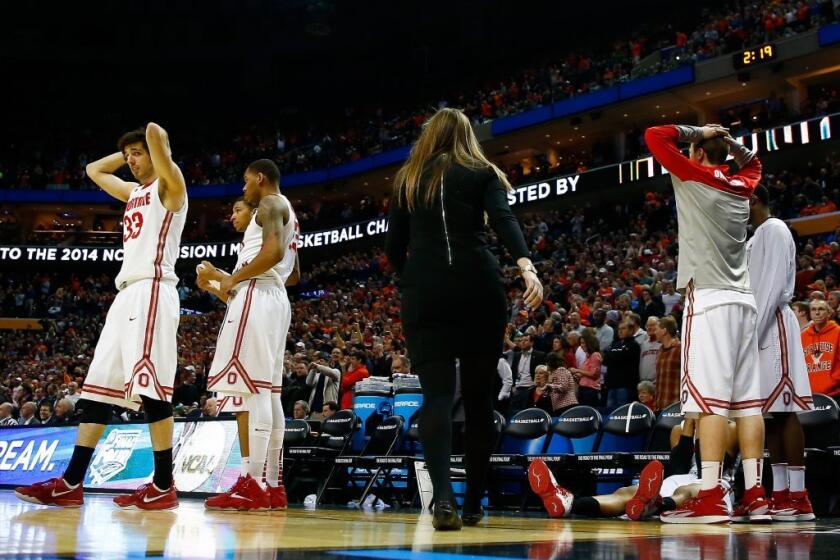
(754, 56)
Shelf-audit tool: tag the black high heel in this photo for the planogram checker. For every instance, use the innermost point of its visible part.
(445, 517)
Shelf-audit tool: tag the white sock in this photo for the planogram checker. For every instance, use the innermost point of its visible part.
(259, 432)
(752, 472)
(246, 464)
(796, 475)
(710, 474)
(780, 476)
(274, 460)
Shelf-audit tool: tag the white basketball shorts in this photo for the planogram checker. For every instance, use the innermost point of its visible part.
(137, 351)
(720, 372)
(784, 376)
(251, 340)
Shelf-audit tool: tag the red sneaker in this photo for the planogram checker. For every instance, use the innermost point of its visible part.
(148, 497)
(708, 507)
(646, 501)
(244, 495)
(795, 507)
(754, 507)
(556, 499)
(52, 492)
(277, 497)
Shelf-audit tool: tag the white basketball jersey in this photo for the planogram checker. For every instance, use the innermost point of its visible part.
(151, 237)
(252, 243)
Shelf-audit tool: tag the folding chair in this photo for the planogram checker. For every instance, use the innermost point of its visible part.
(660, 436)
(377, 458)
(295, 435)
(623, 433)
(526, 434)
(575, 431)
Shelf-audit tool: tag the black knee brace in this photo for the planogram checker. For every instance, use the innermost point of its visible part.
(156, 410)
(94, 412)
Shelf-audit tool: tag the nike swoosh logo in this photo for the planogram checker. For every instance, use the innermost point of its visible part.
(131, 318)
(241, 497)
(54, 495)
(146, 499)
(231, 320)
(764, 347)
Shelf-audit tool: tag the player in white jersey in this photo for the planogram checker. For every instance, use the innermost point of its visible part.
(784, 375)
(720, 375)
(248, 361)
(136, 356)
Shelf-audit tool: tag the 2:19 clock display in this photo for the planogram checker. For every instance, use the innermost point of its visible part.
(754, 56)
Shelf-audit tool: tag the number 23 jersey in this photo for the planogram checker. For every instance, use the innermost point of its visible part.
(151, 237)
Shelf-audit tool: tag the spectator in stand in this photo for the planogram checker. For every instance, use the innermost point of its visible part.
(562, 383)
(639, 334)
(588, 375)
(6, 418)
(523, 366)
(575, 324)
(821, 344)
(833, 300)
(667, 364)
(803, 314)
(539, 394)
(649, 351)
(64, 410)
(45, 413)
(186, 393)
(329, 408)
(74, 393)
(647, 394)
(209, 409)
(355, 373)
(295, 387)
(326, 381)
(27, 415)
(603, 331)
(622, 361)
(650, 305)
(545, 339)
(575, 351)
(670, 297)
(400, 364)
(300, 410)
(504, 385)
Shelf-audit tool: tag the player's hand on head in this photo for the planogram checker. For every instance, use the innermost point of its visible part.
(714, 131)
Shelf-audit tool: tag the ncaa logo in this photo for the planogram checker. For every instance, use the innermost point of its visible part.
(113, 455)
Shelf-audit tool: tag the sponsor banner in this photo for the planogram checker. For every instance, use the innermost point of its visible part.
(206, 455)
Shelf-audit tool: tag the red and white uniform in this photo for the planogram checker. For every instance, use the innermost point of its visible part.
(720, 348)
(252, 339)
(137, 351)
(784, 375)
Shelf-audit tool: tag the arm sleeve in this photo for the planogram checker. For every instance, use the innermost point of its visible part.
(749, 171)
(662, 141)
(768, 274)
(396, 241)
(502, 220)
(311, 378)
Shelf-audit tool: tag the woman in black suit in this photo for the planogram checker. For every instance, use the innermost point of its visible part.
(453, 298)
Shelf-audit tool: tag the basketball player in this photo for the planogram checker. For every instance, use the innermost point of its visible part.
(784, 375)
(655, 494)
(720, 375)
(136, 356)
(249, 353)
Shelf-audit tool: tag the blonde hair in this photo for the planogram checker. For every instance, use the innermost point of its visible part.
(447, 138)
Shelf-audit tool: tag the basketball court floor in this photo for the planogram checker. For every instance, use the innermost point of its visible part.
(99, 530)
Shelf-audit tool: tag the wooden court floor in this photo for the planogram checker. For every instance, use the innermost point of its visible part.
(99, 530)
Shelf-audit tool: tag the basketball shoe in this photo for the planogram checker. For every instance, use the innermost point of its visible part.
(556, 499)
(754, 507)
(277, 497)
(708, 507)
(52, 492)
(791, 506)
(244, 495)
(148, 497)
(646, 501)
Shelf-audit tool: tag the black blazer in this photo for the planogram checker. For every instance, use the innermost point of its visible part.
(537, 359)
(453, 299)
